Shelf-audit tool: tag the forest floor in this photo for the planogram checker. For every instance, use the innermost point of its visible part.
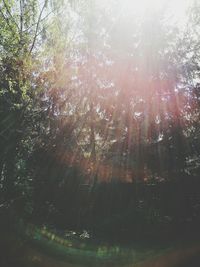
(16, 252)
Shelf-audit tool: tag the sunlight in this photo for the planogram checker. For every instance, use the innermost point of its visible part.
(140, 6)
(176, 8)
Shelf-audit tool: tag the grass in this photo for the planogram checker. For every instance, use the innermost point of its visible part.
(87, 253)
(32, 246)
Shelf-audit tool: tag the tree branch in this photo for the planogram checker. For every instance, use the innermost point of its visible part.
(37, 26)
(25, 30)
(21, 18)
(7, 20)
(9, 13)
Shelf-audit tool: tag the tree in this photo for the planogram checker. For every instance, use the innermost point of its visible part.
(21, 24)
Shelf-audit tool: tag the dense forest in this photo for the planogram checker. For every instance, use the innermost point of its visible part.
(100, 116)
